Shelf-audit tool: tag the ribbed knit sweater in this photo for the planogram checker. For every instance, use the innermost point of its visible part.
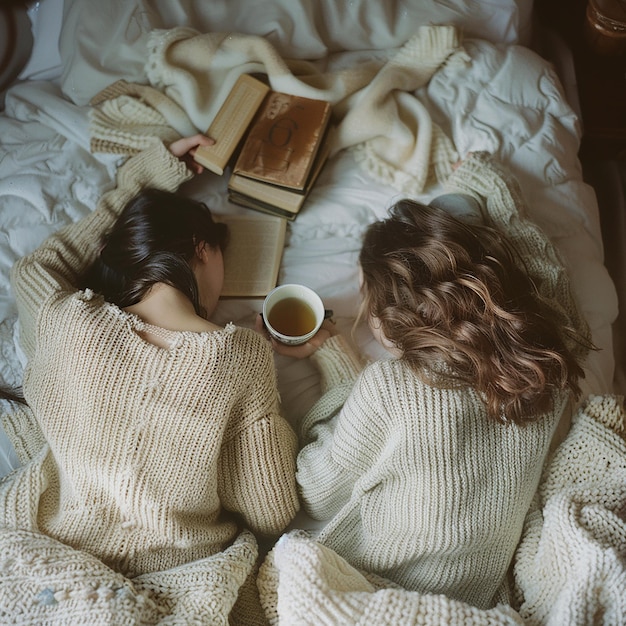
(150, 448)
(415, 482)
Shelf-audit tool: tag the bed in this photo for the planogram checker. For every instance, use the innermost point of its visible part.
(490, 92)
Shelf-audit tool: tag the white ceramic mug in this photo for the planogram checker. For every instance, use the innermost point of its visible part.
(293, 313)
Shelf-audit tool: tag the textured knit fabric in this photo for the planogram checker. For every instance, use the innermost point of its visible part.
(570, 567)
(303, 582)
(148, 449)
(377, 115)
(48, 582)
(415, 482)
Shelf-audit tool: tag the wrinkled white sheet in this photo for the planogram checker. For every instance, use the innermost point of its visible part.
(96, 33)
(508, 102)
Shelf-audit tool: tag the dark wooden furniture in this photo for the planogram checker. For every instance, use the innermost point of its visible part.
(601, 84)
(601, 81)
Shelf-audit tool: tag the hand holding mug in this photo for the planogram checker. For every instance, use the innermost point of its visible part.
(295, 320)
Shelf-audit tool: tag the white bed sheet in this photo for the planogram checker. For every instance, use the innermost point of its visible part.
(48, 177)
(95, 33)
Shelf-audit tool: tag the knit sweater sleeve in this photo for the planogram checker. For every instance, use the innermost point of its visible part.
(325, 482)
(337, 363)
(342, 437)
(59, 262)
(257, 470)
(502, 201)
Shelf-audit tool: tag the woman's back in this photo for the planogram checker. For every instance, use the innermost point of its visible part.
(140, 434)
(148, 447)
(427, 471)
(439, 502)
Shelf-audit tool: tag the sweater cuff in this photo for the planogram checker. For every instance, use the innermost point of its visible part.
(469, 176)
(155, 167)
(337, 362)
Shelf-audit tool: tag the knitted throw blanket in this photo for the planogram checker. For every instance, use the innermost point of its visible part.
(570, 567)
(375, 109)
(47, 582)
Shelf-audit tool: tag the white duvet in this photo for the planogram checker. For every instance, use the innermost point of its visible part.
(507, 101)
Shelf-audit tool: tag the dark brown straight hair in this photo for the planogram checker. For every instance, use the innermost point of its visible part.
(154, 240)
(12, 395)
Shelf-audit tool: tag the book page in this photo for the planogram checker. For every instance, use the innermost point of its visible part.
(280, 197)
(253, 254)
(256, 205)
(231, 122)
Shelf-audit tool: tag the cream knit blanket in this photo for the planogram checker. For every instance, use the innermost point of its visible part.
(375, 108)
(570, 568)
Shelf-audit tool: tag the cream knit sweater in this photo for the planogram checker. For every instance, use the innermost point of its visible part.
(149, 448)
(569, 568)
(416, 484)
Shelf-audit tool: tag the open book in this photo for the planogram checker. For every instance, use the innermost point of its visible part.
(231, 122)
(280, 141)
(253, 254)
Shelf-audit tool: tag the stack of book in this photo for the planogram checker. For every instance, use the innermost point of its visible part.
(279, 143)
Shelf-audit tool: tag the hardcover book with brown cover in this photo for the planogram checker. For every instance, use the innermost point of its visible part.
(283, 140)
(276, 199)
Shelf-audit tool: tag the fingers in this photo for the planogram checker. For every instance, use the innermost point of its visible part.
(259, 326)
(187, 145)
(185, 148)
(329, 325)
(304, 350)
(460, 162)
(194, 166)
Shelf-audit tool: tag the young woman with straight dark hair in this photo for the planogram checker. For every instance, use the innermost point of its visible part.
(163, 433)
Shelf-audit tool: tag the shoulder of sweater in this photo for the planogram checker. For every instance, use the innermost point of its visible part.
(396, 375)
(248, 336)
(246, 340)
(389, 374)
(387, 366)
(256, 347)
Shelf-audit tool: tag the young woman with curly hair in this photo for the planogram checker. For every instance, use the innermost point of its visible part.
(423, 466)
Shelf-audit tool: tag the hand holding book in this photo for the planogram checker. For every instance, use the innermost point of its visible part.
(186, 147)
(284, 145)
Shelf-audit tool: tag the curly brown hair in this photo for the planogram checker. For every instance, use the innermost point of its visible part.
(456, 302)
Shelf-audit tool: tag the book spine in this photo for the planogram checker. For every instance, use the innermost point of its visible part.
(263, 207)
